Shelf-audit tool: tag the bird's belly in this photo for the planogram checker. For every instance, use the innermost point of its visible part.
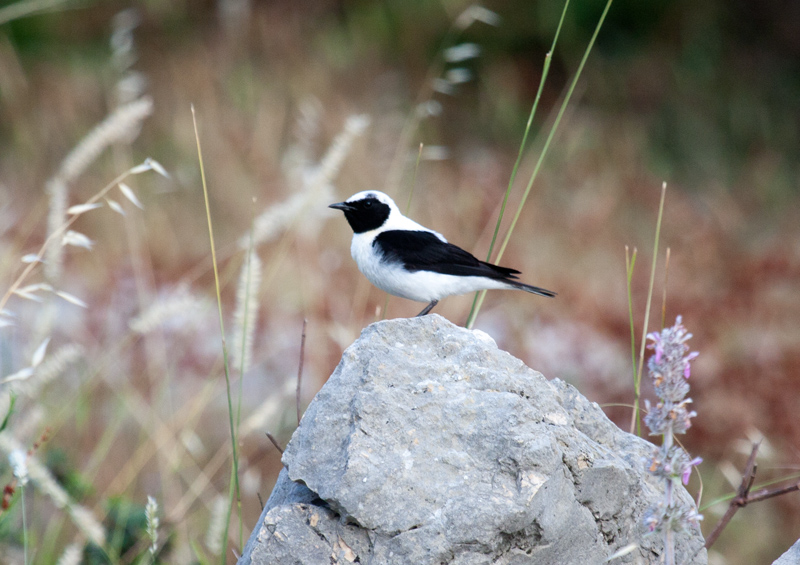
(425, 286)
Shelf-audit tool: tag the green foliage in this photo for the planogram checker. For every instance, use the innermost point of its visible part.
(12, 401)
(64, 471)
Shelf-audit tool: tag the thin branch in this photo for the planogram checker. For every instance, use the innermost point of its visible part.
(740, 500)
(300, 369)
(275, 442)
(764, 494)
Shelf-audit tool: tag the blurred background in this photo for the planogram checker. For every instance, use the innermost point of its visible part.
(301, 104)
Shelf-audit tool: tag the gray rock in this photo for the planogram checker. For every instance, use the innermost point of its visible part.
(429, 445)
(791, 557)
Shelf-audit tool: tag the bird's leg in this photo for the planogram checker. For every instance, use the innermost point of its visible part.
(428, 308)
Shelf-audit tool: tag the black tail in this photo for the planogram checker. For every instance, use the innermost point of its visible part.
(531, 289)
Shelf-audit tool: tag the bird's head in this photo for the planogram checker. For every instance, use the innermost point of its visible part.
(367, 211)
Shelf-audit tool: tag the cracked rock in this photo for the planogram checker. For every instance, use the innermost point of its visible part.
(428, 445)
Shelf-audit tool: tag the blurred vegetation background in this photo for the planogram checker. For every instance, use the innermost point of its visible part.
(704, 96)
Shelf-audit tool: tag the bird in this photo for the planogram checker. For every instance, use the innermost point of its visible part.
(408, 260)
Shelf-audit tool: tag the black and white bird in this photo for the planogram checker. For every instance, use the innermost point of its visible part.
(405, 259)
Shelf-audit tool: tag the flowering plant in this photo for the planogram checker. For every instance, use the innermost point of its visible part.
(670, 368)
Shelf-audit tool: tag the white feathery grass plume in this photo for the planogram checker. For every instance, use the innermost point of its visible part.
(30, 380)
(21, 375)
(216, 525)
(275, 219)
(151, 516)
(22, 293)
(428, 108)
(157, 167)
(192, 442)
(29, 291)
(38, 355)
(141, 167)
(77, 239)
(246, 313)
(72, 555)
(130, 195)
(177, 304)
(251, 480)
(29, 422)
(130, 86)
(459, 75)
(307, 126)
(86, 522)
(72, 299)
(443, 86)
(477, 13)
(18, 461)
(122, 125)
(52, 367)
(27, 372)
(81, 516)
(123, 52)
(332, 161)
(461, 52)
(316, 186)
(83, 208)
(114, 205)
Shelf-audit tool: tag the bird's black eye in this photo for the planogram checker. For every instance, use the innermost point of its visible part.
(367, 203)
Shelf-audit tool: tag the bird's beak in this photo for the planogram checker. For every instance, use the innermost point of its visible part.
(343, 206)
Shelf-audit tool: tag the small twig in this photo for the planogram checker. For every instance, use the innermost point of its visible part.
(275, 442)
(764, 494)
(749, 471)
(741, 498)
(300, 370)
(260, 500)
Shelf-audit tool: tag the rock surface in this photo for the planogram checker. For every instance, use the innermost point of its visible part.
(791, 557)
(428, 445)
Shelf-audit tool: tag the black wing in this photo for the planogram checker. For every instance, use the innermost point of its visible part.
(423, 251)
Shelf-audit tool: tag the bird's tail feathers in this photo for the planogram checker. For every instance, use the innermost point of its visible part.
(532, 289)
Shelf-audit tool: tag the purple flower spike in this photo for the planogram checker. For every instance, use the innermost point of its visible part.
(670, 367)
